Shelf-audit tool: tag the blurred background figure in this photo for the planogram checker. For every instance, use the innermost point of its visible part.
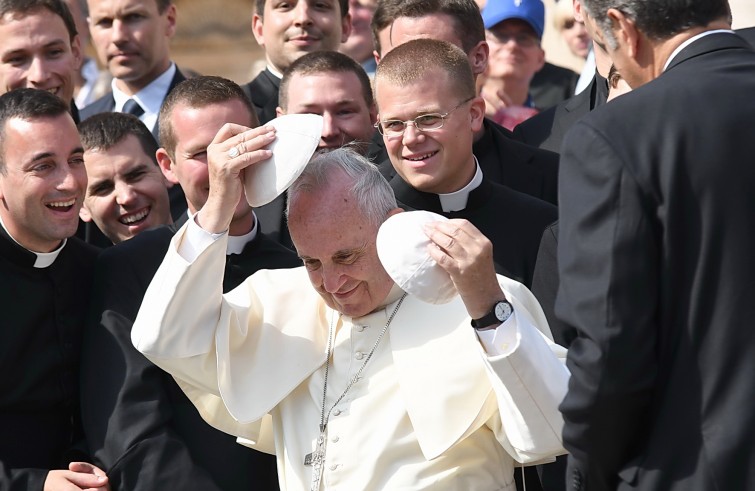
(513, 30)
(90, 83)
(575, 35)
(359, 46)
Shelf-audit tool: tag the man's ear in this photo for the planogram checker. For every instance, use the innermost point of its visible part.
(626, 32)
(76, 51)
(171, 14)
(166, 166)
(477, 113)
(84, 214)
(257, 30)
(345, 27)
(577, 7)
(478, 57)
(279, 112)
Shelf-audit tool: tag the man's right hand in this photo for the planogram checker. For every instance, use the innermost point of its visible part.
(226, 172)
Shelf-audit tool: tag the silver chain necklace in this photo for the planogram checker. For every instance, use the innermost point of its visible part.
(316, 459)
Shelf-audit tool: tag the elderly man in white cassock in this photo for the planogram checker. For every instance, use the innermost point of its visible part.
(342, 368)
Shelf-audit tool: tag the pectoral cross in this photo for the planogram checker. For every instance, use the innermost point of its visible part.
(316, 459)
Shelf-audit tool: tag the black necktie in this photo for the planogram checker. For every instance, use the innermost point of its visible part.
(133, 107)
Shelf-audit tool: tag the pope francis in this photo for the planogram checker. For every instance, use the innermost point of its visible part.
(353, 383)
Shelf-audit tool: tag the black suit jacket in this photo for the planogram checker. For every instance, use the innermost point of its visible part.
(44, 314)
(546, 130)
(263, 92)
(140, 426)
(521, 167)
(513, 221)
(748, 34)
(104, 104)
(657, 275)
(551, 85)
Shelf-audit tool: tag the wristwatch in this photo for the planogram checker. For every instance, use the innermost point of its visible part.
(501, 311)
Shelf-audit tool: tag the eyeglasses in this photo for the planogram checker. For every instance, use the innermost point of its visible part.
(425, 122)
(521, 38)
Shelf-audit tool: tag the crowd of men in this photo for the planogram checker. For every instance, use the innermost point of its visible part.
(160, 332)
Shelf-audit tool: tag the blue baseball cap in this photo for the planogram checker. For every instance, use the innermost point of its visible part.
(530, 11)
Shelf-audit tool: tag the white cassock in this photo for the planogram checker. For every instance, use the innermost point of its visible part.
(432, 410)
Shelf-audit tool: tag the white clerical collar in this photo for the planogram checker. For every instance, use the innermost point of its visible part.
(236, 243)
(457, 200)
(44, 259)
(690, 41)
(274, 71)
(150, 97)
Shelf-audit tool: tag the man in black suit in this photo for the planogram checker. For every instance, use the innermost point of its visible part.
(140, 426)
(502, 160)
(655, 255)
(132, 38)
(44, 292)
(288, 32)
(428, 113)
(30, 31)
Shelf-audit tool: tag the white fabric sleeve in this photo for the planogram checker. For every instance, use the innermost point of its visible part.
(196, 240)
(502, 340)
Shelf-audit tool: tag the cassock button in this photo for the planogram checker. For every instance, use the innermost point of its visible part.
(359, 355)
(361, 328)
(334, 467)
(335, 439)
(336, 412)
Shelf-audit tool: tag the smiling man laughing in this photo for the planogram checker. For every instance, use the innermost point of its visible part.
(127, 193)
(44, 294)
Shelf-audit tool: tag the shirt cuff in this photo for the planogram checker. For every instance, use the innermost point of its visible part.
(502, 340)
(196, 240)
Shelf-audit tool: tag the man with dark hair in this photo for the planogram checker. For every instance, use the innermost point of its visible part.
(39, 48)
(45, 288)
(140, 425)
(287, 31)
(655, 256)
(127, 193)
(346, 106)
(523, 168)
(429, 112)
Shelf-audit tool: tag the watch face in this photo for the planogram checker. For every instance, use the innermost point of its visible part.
(502, 311)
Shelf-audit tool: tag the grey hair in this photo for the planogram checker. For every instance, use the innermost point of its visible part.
(658, 19)
(373, 195)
